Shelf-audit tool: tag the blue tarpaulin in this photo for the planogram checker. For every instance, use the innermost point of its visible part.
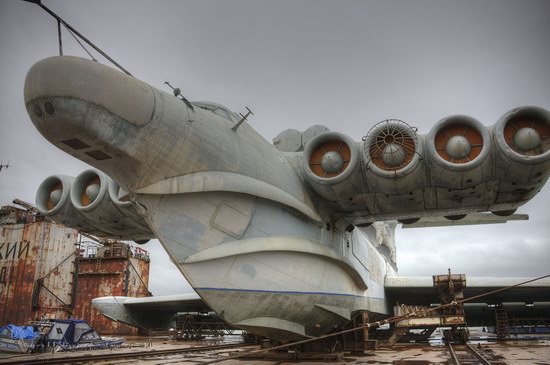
(21, 332)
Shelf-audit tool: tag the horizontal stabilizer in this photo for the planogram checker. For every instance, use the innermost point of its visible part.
(149, 312)
(470, 219)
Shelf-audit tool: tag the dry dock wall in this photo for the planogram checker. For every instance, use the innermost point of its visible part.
(44, 273)
(36, 265)
(113, 270)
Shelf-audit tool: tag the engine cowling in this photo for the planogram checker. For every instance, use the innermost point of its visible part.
(395, 173)
(84, 203)
(53, 200)
(459, 143)
(331, 166)
(91, 196)
(459, 148)
(391, 149)
(523, 162)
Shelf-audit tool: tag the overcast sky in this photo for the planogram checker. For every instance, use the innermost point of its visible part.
(343, 64)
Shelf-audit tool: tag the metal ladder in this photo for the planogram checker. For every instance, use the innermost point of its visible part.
(501, 323)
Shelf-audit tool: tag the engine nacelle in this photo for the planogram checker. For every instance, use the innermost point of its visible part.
(461, 171)
(395, 173)
(331, 166)
(460, 167)
(53, 200)
(91, 195)
(86, 204)
(523, 162)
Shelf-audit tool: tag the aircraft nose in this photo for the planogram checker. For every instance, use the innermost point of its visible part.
(66, 79)
(91, 111)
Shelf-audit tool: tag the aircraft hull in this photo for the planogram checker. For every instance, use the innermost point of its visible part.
(280, 294)
(282, 277)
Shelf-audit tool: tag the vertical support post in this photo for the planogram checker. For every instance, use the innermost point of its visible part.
(74, 289)
(126, 278)
(59, 36)
(364, 321)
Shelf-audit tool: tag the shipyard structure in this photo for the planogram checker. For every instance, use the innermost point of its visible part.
(51, 271)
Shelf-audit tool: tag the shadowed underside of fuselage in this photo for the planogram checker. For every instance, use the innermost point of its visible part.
(277, 239)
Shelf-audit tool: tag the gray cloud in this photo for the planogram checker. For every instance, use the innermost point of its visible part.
(344, 64)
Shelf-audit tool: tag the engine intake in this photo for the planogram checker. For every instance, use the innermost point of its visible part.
(52, 200)
(391, 148)
(52, 193)
(330, 165)
(523, 164)
(86, 204)
(459, 142)
(523, 134)
(89, 188)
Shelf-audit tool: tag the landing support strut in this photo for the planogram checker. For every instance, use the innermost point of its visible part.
(421, 323)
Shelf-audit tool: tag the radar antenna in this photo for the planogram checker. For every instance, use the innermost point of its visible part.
(243, 118)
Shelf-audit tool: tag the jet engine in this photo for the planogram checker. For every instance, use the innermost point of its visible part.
(85, 204)
(53, 200)
(392, 152)
(458, 143)
(330, 165)
(459, 167)
(92, 195)
(395, 173)
(459, 147)
(523, 162)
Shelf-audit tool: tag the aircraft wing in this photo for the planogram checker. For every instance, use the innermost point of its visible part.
(531, 300)
(149, 312)
(420, 291)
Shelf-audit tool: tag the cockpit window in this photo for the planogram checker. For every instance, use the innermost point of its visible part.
(217, 109)
(222, 113)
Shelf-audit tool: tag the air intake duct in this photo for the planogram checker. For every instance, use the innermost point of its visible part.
(330, 166)
(391, 149)
(53, 200)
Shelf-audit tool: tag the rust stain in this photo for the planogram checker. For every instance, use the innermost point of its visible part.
(47, 253)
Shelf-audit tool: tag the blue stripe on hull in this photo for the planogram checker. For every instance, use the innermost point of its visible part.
(286, 292)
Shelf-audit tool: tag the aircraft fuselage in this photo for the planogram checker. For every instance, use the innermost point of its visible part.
(268, 237)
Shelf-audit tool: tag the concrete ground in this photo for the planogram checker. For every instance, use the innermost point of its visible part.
(514, 352)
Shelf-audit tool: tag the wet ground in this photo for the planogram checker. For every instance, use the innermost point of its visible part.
(522, 352)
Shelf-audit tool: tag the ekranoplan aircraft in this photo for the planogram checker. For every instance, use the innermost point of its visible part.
(287, 239)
